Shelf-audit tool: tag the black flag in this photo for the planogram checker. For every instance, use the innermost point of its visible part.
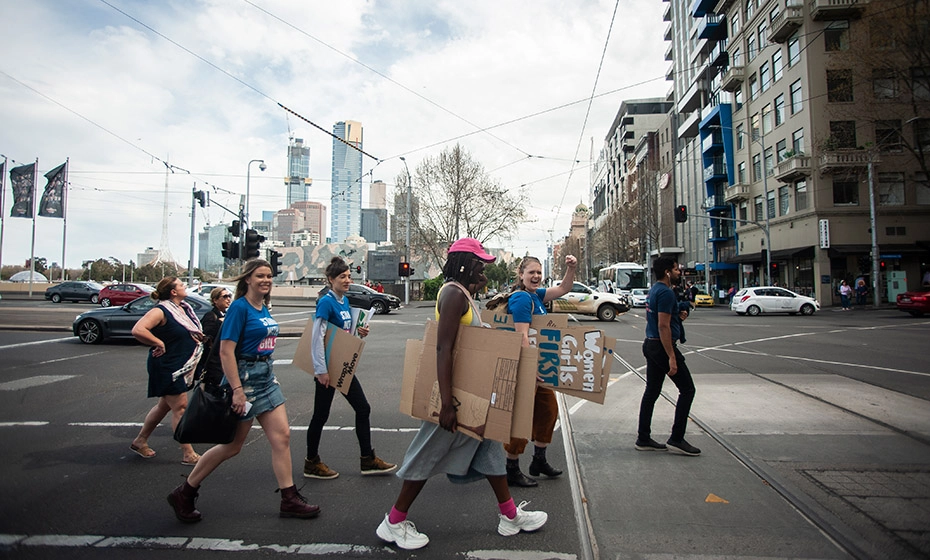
(51, 205)
(22, 180)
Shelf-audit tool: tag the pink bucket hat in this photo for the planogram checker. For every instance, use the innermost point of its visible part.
(473, 246)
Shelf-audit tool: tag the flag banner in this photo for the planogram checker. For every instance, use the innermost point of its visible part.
(22, 180)
(51, 205)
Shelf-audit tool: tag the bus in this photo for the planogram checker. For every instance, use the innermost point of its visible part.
(622, 277)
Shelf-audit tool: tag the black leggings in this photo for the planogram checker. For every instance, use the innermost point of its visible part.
(323, 402)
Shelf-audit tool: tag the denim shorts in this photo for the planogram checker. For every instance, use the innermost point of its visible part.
(260, 386)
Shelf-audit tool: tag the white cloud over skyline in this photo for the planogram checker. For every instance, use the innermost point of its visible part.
(81, 80)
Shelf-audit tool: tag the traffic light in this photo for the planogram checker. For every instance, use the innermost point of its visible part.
(774, 267)
(252, 241)
(681, 213)
(234, 228)
(881, 266)
(358, 269)
(202, 198)
(274, 258)
(230, 249)
(403, 269)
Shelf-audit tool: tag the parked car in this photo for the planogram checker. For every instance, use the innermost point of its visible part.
(915, 302)
(585, 301)
(75, 291)
(363, 297)
(119, 294)
(772, 299)
(97, 325)
(638, 297)
(703, 300)
(204, 289)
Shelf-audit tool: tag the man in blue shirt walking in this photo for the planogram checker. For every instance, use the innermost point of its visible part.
(663, 330)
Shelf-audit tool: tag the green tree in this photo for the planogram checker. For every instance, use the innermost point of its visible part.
(431, 288)
(499, 274)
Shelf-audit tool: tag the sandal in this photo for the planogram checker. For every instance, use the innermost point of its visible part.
(190, 461)
(143, 451)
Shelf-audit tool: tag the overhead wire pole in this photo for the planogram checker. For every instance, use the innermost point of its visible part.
(407, 236)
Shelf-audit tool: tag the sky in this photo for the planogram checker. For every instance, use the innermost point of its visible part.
(123, 88)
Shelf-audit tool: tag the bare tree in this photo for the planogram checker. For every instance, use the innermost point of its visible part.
(456, 199)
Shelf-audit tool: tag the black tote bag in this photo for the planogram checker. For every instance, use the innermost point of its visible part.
(209, 417)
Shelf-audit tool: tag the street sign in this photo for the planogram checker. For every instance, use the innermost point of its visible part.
(824, 234)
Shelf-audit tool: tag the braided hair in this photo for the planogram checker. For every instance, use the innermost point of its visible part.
(461, 267)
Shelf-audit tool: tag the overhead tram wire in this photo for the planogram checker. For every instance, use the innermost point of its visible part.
(587, 111)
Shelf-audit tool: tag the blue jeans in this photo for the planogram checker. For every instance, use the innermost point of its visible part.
(656, 371)
(845, 301)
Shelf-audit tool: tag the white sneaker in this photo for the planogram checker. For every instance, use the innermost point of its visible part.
(524, 521)
(404, 534)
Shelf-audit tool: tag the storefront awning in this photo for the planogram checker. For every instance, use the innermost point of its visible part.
(745, 258)
(797, 252)
(921, 247)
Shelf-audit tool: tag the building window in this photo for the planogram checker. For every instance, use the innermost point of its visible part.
(800, 195)
(794, 49)
(893, 231)
(773, 15)
(922, 134)
(753, 87)
(743, 211)
(881, 34)
(782, 201)
(750, 9)
(839, 86)
(738, 98)
(836, 36)
(920, 79)
(845, 193)
(763, 32)
(734, 23)
(884, 84)
(751, 46)
(797, 102)
(736, 57)
(767, 119)
(776, 66)
(754, 124)
(770, 203)
(780, 109)
(740, 132)
(741, 173)
(758, 209)
(923, 188)
(769, 162)
(888, 135)
(891, 189)
(842, 135)
(797, 141)
(756, 168)
(765, 76)
(780, 148)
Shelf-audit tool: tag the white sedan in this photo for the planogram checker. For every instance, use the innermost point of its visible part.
(585, 301)
(772, 299)
(638, 296)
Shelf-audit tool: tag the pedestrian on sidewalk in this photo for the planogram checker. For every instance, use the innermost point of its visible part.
(439, 448)
(210, 363)
(663, 330)
(845, 293)
(247, 341)
(861, 292)
(334, 308)
(173, 331)
(528, 299)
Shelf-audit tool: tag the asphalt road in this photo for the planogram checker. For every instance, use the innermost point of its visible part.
(805, 400)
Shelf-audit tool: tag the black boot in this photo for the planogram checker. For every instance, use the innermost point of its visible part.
(182, 501)
(295, 505)
(540, 465)
(517, 478)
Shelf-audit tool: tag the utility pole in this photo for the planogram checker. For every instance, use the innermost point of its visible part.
(876, 295)
(407, 236)
(190, 265)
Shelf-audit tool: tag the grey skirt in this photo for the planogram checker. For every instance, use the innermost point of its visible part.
(463, 459)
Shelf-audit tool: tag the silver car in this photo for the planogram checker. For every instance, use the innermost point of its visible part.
(638, 296)
(772, 299)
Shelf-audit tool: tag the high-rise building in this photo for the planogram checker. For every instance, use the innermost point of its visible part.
(314, 216)
(377, 195)
(374, 224)
(298, 171)
(346, 181)
(286, 222)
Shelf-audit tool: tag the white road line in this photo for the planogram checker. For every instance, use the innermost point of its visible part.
(36, 381)
(69, 358)
(20, 424)
(814, 360)
(22, 344)
(517, 555)
(33, 423)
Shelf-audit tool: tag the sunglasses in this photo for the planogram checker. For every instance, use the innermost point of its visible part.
(226, 296)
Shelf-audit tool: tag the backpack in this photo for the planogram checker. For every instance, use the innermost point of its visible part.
(498, 301)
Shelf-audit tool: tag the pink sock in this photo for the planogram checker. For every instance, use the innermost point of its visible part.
(396, 516)
(508, 508)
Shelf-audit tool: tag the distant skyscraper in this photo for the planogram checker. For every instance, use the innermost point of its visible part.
(377, 195)
(314, 216)
(347, 184)
(298, 171)
(374, 224)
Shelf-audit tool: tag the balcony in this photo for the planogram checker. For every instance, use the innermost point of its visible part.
(786, 23)
(826, 10)
(689, 126)
(668, 32)
(843, 160)
(714, 202)
(668, 51)
(736, 193)
(713, 27)
(715, 172)
(700, 8)
(692, 99)
(793, 168)
(712, 142)
(733, 78)
(667, 16)
(670, 73)
(718, 55)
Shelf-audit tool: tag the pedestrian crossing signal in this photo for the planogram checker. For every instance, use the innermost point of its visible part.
(681, 213)
(403, 269)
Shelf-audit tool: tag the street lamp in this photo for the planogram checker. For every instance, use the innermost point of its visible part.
(248, 173)
(407, 236)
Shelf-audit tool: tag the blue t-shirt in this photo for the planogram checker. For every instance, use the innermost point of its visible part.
(661, 299)
(523, 305)
(334, 311)
(259, 333)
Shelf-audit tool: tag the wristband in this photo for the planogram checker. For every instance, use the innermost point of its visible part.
(238, 387)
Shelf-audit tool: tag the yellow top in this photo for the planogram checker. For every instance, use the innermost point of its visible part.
(471, 317)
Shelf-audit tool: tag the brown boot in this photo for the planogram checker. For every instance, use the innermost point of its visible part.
(182, 501)
(295, 505)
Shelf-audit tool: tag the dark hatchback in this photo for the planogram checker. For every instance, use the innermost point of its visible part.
(363, 297)
(915, 302)
(75, 291)
(97, 325)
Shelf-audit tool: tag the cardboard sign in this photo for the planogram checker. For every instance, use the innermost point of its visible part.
(342, 354)
(493, 378)
(500, 320)
(600, 391)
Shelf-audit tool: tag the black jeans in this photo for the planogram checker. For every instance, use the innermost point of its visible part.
(656, 371)
(323, 402)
